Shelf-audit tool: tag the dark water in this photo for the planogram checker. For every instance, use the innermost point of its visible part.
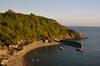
(52, 56)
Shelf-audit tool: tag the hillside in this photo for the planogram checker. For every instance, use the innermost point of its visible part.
(16, 26)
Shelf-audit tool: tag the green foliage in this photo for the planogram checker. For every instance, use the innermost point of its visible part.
(17, 26)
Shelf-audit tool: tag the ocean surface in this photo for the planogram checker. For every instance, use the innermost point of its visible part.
(52, 56)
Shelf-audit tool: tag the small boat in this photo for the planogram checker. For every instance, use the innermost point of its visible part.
(38, 60)
(35, 60)
(61, 48)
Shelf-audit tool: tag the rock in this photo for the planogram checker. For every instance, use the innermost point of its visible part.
(79, 49)
(83, 36)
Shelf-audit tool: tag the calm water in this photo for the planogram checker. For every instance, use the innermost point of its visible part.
(52, 56)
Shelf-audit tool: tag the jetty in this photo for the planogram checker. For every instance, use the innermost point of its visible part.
(78, 45)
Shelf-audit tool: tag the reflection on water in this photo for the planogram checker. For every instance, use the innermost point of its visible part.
(53, 56)
(40, 55)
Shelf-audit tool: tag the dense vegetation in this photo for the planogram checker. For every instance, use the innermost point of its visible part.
(16, 26)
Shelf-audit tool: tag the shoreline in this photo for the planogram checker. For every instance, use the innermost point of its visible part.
(19, 59)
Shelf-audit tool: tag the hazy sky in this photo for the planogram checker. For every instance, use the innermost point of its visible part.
(66, 12)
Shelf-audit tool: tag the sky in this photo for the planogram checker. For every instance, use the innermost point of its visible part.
(66, 12)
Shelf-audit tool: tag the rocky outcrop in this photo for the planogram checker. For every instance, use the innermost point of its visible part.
(78, 36)
(83, 36)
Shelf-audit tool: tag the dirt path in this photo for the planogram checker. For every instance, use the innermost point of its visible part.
(18, 60)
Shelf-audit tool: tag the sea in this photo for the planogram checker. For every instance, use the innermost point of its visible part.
(53, 56)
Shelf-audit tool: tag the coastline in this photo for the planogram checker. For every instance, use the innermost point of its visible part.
(19, 58)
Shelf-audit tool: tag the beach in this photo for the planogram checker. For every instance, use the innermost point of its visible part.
(19, 58)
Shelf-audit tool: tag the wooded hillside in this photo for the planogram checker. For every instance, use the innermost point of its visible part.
(16, 26)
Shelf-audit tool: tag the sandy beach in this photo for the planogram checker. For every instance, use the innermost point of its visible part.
(19, 58)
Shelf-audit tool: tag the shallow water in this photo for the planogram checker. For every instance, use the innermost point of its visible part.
(52, 56)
